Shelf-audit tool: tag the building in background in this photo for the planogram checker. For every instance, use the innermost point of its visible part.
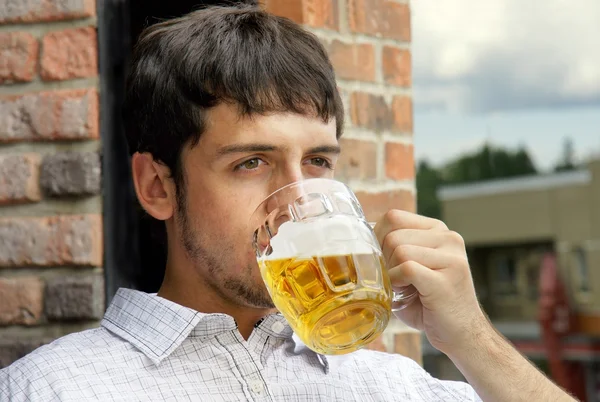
(70, 233)
(534, 249)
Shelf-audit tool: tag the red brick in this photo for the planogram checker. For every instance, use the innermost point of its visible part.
(397, 67)
(70, 173)
(292, 9)
(382, 18)
(409, 344)
(321, 14)
(402, 109)
(357, 161)
(45, 10)
(74, 298)
(353, 61)
(370, 111)
(53, 241)
(19, 178)
(399, 161)
(18, 57)
(71, 53)
(314, 13)
(53, 115)
(375, 205)
(22, 300)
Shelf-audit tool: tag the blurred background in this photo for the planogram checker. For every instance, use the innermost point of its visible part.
(483, 114)
(507, 143)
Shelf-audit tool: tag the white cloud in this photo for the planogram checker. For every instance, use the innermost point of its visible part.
(490, 55)
(440, 153)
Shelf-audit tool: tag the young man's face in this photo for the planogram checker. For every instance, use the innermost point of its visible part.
(237, 163)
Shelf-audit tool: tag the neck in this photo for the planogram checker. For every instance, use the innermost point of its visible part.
(190, 290)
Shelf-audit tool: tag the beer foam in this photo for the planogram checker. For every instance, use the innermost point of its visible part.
(334, 235)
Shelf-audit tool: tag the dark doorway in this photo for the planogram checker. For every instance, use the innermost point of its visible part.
(135, 251)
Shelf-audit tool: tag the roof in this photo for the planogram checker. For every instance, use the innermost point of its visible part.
(517, 184)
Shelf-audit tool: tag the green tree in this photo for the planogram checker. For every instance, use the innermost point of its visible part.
(567, 160)
(428, 181)
(523, 163)
(485, 164)
(489, 163)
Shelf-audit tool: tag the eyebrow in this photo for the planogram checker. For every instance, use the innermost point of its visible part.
(326, 149)
(242, 148)
(249, 148)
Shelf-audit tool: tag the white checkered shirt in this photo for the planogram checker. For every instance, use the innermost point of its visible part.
(150, 349)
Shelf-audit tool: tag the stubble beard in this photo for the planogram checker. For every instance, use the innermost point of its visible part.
(236, 290)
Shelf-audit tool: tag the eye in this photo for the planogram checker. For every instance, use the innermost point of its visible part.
(250, 164)
(320, 162)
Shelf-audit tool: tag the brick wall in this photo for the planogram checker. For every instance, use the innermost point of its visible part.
(369, 45)
(51, 282)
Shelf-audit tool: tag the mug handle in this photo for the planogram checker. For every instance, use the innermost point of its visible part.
(402, 297)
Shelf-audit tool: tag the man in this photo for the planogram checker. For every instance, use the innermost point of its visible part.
(223, 107)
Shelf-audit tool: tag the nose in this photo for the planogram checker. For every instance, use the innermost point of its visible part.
(279, 179)
(289, 175)
(275, 210)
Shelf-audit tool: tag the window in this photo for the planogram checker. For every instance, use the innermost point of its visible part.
(582, 273)
(531, 265)
(533, 280)
(505, 272)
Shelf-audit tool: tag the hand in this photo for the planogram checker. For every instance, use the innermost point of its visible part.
(422, 252)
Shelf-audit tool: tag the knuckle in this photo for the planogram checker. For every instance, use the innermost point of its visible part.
(440, 225)
(390, 241)
(408, 269)
(455, 238)
(401, 253)
(393, 215)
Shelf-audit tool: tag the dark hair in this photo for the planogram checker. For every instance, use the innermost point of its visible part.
(238, 54)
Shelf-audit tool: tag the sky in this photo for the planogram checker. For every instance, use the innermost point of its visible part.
(507, 72)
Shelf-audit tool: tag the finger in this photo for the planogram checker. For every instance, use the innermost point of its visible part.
(441, 240)
(412, 315)
(396, 219)
(429, 257)
(425, 280)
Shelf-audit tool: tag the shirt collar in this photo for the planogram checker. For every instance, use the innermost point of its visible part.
(157, 326)
(154, 325)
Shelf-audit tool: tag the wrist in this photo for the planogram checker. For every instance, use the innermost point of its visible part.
(478, 340)
(498, 372)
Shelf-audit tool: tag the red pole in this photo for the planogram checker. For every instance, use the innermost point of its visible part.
(555, 320)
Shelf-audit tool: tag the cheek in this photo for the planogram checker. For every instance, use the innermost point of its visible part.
(227, 226)
(222, 213)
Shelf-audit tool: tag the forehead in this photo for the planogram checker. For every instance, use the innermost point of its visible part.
(225, 126)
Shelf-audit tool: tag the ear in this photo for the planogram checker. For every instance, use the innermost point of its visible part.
(154, 187)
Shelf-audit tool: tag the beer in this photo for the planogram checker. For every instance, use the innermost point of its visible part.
(323, 266)
(337, 303)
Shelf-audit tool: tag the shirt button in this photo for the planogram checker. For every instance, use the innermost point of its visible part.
(256, 386)
(277, 327)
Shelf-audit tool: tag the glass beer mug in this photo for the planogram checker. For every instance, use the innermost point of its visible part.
(323, 267)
